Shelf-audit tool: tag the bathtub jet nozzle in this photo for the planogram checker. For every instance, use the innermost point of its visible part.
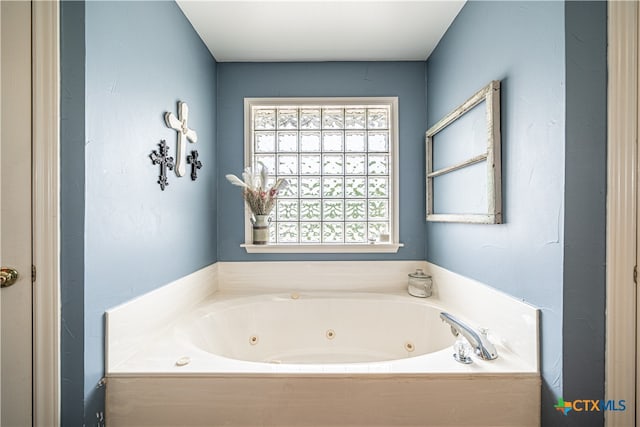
(482, 347)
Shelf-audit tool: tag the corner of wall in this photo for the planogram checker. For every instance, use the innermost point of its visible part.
(583, 321)
(72, 210)
(217, 179)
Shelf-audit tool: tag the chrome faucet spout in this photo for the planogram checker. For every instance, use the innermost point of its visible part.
(482, 347)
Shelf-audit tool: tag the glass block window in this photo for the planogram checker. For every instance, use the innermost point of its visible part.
(338, 159)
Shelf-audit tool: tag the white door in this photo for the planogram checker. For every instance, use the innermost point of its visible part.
(622, 358)
(637, 181)
(636, 273)
(636, 99)
(15, 214)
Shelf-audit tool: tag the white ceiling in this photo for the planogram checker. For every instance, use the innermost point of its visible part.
(316, 30)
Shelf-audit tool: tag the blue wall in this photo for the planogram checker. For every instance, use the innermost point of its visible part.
(521, 44)
(402, 79)
(551, 59)
(141, 59)
(72, 188)
(585, 204)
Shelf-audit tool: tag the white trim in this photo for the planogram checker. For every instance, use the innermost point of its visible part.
(394, 200)
(322, 249)
(321, 101)
(622, 190)
(0, 206)
(46, 290)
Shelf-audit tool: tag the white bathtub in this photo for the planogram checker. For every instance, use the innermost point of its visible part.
(309, 357)
(316, 328)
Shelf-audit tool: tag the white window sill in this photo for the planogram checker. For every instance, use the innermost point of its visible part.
(322, 249)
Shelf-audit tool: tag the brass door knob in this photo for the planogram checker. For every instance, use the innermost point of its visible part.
(8, 277)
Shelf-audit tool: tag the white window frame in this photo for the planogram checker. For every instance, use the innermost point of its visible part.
(388, 247)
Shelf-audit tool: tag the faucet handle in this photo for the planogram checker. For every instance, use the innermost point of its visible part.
(462, 350)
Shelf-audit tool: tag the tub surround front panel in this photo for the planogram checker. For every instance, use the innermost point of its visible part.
(383, 400)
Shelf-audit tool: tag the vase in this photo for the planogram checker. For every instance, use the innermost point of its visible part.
(260, 229)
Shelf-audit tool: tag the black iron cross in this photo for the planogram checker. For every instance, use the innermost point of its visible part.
(196, 164)
(164, 161)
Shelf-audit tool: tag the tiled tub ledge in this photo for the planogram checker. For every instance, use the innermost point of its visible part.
(318, 343)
